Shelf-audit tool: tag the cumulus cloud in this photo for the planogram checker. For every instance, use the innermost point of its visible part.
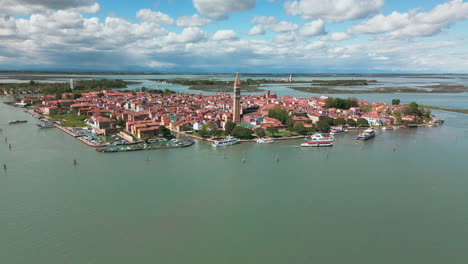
(192, 21)
(154, 17)
(24, 7)
(225, 35)
(336, 36)
(220, 8)
(333, 10)
(256, 30)
(313, 28)
(188, 35)
(273, 24)
(414, 24)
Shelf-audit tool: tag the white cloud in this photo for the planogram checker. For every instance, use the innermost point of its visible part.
(154, 17)
(414, 24)
(219, 8)
(313, 28)
(336, 36)
(192, 21)
(160, 64)
(274, 24)
(25, 7)
(256, 30)
(225, 35)
(188, 35)
(333, 10)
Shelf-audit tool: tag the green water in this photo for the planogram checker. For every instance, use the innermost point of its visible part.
(362, 204)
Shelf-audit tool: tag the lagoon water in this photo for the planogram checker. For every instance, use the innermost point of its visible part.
(365, 203)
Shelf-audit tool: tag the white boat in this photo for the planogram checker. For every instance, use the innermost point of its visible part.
(319, 137)
(387, 128)
(367, 134)
(225, 142)
(317, 143)
(338, 131)
(264, 140)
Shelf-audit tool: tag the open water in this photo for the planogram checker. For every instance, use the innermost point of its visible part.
(364, 203)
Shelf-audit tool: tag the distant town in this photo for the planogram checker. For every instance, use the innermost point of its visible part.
(147, 114)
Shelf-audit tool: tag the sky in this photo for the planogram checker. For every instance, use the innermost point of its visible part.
(248, 36)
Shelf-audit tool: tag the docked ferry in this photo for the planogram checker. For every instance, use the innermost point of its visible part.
(319, 137)
(264, 140)
(367, 134)
(318, 143)
(338, 131)
(225, 142)
(17, 122)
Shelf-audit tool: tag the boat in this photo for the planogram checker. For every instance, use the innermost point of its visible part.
(225, 142)
(319, 137)
(367, 134)
(46, 125)
(338, 131)
(265, 140)
(17, 122)
(387, 128)
(318, 143)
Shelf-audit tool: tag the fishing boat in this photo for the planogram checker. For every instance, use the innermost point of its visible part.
(338, 131)
(17, 122)
(225, 142)
(366, 135)
(265, 140)
(46, 125)
(319, 137)
(317, 143)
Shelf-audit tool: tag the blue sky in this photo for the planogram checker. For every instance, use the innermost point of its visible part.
(256, 36)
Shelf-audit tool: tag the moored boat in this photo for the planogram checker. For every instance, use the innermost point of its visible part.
(319, 137)
(46, 125)
(338, 131)
(317, 143)
(225, 142)
(17, 122)
(264, 140)
(367, 134)
(387, 128)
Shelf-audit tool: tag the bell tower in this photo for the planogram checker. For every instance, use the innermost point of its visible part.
(236, 103)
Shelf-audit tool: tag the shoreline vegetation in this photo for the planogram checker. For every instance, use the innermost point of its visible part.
(463, 111)
(48, 88)
(422, 89)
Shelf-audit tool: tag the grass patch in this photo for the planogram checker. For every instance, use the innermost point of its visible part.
(69, 120)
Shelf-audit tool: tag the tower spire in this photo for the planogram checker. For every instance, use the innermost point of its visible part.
(237, 82)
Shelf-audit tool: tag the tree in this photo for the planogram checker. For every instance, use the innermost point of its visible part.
(351, 122)
(323, 126)
(164, 131)
(185, 127)
(272, 130)
(366, 108)
(77, 95)
(395, 101)
(121, 123)
(32, 83)
(340, 103)
(280, 114)
(412, 109)
(242, 132)
(397, 116)
(362, 122)
(326, 119)
(339, 122)
(100, 95)
(229, 127)
(260, 132)
(299, 128)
